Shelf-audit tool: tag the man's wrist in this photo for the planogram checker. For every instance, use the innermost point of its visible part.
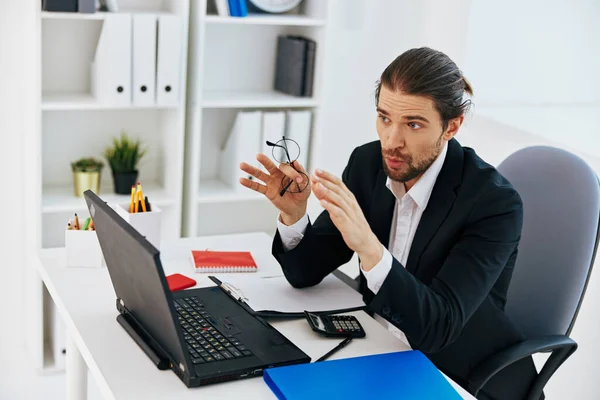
(371, 255)
(291, 219)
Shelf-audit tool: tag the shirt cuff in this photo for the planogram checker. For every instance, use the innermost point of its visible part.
(379, 272)
(293, 234)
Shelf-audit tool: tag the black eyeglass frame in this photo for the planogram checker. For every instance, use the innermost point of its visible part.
(285, 181)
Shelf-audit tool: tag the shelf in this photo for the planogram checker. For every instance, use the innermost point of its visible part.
(216, 191)
(73, 15)
(97, 16)
(56, 199)
(283, 20)
(84, 101)
(254, 99)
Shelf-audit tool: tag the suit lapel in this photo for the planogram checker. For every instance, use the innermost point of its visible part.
(382, 209)
(439, 205)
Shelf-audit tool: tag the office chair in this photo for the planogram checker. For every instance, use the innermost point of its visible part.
(561, 222)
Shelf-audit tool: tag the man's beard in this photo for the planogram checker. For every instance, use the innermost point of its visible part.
(414, 168)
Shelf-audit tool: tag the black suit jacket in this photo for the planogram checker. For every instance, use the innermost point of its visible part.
(449, 297)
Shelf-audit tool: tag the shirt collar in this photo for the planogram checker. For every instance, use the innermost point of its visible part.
(421, 190)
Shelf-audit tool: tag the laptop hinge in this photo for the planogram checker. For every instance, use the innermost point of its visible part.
(143, 340)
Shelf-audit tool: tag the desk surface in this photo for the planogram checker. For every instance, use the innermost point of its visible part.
(85, 299)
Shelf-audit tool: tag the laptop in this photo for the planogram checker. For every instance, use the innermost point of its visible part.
(203, 335)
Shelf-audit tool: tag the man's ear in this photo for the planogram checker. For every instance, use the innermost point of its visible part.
(453, 126)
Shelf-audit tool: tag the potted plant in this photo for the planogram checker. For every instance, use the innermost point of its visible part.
(123, 157)
(86, 175)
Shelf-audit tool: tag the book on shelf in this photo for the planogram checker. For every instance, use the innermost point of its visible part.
(295, 65)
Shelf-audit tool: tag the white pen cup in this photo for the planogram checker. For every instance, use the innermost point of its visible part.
(83, 249)
(148, 224)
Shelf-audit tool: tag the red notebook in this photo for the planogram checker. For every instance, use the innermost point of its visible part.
(223, 261)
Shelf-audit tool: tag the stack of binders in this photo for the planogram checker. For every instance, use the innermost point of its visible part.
(138, 60)
(295, 65)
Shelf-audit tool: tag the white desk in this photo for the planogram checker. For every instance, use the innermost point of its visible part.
(86, 301)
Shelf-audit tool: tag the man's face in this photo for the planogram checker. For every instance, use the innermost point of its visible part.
(411, 135)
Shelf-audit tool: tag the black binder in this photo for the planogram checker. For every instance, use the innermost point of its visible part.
(295, 65)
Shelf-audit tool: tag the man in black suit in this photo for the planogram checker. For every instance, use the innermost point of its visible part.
(436, 229)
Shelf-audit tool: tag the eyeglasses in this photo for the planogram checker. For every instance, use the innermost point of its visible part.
(286, 151)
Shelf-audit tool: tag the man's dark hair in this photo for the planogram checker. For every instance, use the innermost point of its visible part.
(427, 72)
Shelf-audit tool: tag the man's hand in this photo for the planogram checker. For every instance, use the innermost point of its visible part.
(292, 205)
(348, 217)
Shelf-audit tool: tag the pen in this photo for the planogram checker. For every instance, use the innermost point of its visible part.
(336, 348)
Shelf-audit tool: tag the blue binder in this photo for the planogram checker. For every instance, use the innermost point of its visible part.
(400, 375)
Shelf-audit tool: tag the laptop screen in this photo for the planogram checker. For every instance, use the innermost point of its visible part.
(137, 276)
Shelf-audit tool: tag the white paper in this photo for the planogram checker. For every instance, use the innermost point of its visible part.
(276, 294)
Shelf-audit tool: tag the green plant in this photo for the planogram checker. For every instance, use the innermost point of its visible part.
(124, 154)
(87, 164)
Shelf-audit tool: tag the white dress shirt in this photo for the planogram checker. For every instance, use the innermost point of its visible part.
(407, 214)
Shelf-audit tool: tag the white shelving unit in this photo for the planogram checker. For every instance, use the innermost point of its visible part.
(232, 68)
(75, 124)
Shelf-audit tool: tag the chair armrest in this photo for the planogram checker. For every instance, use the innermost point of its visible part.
(488, 368)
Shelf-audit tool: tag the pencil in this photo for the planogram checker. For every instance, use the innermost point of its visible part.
(141, 197)
(76, 225)
(137, 195)
(132, 199)
(86, 224)
(92, 227)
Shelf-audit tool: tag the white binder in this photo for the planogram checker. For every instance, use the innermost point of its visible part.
(168, 60)
(223, 8)
(298, 128)
(144, 59)
(111, 67)
(273, 129)
(242, 145)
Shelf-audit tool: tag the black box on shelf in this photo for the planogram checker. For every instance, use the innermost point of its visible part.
(82, 6)
(59, 5)
(295, 65)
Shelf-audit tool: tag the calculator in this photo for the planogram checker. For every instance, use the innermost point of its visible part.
(335, 325)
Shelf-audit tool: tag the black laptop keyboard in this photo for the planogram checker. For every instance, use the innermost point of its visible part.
(205, 342)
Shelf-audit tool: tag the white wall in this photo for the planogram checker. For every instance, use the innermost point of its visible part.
(535, 65)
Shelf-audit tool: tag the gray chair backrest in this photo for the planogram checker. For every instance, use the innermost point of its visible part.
(561, 213)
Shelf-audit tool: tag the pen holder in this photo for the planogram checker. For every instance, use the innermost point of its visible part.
(147, 223)
(83, 249)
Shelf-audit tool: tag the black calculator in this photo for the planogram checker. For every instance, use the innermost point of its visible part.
(335, 325)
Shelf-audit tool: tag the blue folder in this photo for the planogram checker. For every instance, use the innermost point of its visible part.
(401, 375)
